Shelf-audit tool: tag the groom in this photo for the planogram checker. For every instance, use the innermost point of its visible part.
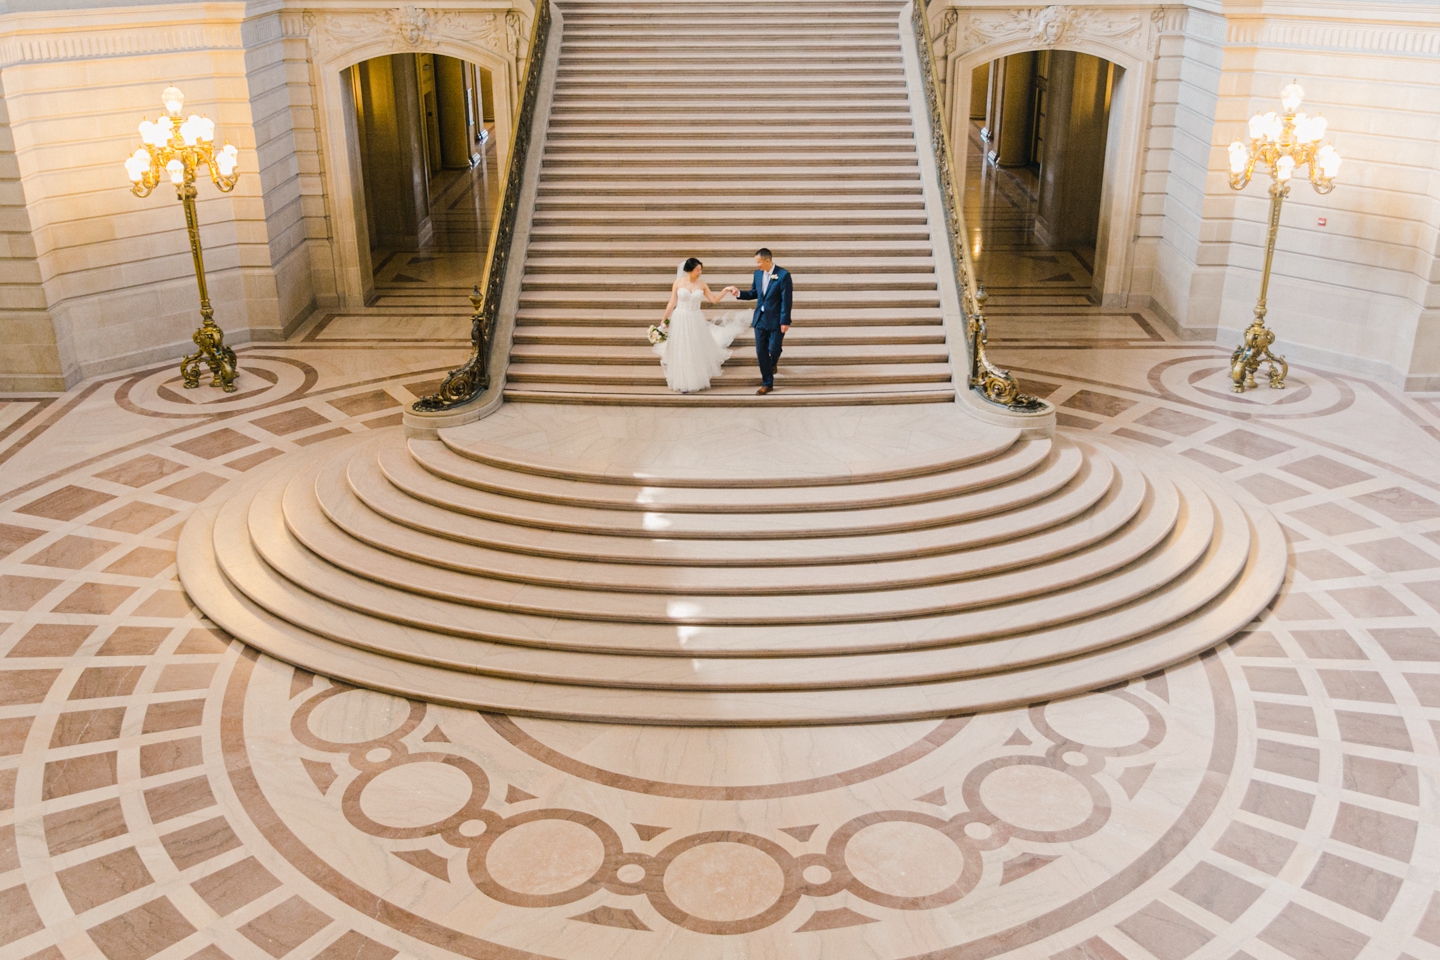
(772, 292)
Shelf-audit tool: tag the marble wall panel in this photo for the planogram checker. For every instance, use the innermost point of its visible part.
(1362, 291)
(29, 356)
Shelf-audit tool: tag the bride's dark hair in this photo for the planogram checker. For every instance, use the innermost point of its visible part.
(691, 264)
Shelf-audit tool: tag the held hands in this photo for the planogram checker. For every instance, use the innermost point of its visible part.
(730, 291)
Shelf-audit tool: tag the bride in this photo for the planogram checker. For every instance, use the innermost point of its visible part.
(694, 349)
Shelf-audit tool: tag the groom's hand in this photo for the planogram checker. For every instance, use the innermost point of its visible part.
(784, 328)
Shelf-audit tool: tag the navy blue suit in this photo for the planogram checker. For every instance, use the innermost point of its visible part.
(772, 311)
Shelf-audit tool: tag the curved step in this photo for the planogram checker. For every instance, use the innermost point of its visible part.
(1255, 586)
(914, 665)
(1167, 533)
(400, 470)
(310, 520)
(651, 496)
(384, 512)
(401, 607)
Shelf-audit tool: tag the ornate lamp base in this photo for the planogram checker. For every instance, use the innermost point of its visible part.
(1253, 351)
(214, 354)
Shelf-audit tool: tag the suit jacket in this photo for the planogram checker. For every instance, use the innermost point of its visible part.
(772, 311)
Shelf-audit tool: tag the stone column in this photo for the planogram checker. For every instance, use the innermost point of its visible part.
(1011, 106)
(397, 190)
(450, 109)
(1073, 165)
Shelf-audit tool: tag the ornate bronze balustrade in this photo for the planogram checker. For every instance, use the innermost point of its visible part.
(991, 382)
(469, 380)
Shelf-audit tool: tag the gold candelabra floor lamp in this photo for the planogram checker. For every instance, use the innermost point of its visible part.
(177, 149)
(1283, 144)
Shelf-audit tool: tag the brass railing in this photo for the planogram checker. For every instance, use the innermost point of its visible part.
(469, 380)
(986, 379)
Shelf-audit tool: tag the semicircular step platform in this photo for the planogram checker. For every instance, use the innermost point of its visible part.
(712, 567)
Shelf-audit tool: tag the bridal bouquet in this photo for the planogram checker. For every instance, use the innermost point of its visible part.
(659, 332)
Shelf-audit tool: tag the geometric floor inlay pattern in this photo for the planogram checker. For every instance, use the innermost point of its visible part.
(167, 793)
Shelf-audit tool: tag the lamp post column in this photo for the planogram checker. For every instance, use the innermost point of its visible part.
(1282, 144)
(209, 338)
(1258, 337)
(176, 149)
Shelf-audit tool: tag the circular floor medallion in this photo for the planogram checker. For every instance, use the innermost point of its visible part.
(904, 859)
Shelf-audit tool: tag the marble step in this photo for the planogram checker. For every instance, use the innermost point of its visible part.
(702, 166)
(754, 42)
(484, 658)
(739, 371)
(326, 517)
(1046, 680)
(737, 58)
(730, 396)
(363, 505)
(1156, 546)
(736, 670)
(563, 147)
(653, 496)
(578, 130)
(949, 444)
(393, 469)
(599, 313)
(716, 186)
(327, 532)
(611, 233)
(670, 175)
(800, 356)
(730, 258)
(854, 337)
(1108, 664)
(718, 208)
(639, 112)
(1027, 621)
(798, 265)
(661, 27)
(572, 91)
(653, 284)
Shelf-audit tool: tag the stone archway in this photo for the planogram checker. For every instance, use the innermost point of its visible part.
(494, 40)
(1129, 39)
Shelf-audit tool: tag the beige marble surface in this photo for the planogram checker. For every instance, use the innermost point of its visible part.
(163, 801)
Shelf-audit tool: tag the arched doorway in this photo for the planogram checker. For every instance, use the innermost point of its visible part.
(424, 137)
(1038, 129)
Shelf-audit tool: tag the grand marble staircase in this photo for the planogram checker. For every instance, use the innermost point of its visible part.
(621, 553)
(715, 567)
(708, 130)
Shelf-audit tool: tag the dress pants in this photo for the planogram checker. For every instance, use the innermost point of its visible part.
(767, 351)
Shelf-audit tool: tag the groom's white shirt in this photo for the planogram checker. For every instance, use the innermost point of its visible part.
(765, 282)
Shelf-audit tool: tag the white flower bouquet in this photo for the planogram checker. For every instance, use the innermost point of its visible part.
(659, 332)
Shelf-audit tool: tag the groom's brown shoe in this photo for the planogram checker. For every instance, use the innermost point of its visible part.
(763, 390)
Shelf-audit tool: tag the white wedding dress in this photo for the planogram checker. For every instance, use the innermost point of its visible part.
(694, 350)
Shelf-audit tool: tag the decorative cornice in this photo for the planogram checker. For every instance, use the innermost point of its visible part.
(1134, 29)
(92, 42)
(959, 29)
(1402, 40)
(331, 32)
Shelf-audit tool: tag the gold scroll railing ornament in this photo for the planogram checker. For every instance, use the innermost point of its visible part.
(470, 379)
(991, 382)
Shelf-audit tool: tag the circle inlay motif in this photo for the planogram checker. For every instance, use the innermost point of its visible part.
(904, 859)
(724, 881)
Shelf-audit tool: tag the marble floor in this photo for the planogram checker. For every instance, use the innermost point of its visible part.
(1012, 263)
(462, 205)
(166, 793)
